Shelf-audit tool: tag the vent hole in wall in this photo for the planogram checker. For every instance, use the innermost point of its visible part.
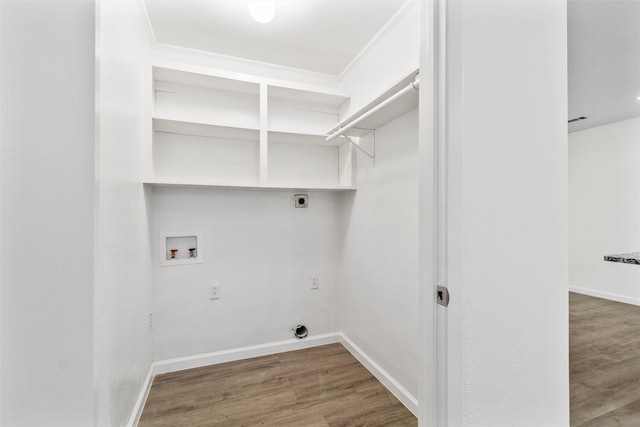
(300, 331)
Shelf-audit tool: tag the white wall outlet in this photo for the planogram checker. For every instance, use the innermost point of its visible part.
(314, 282)
(214, 291)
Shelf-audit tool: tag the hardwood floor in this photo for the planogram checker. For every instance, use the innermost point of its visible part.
(320, 386)
(326, 386)
(604, 355)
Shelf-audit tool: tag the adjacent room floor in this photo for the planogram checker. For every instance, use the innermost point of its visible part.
(604, 355)
(320, 386)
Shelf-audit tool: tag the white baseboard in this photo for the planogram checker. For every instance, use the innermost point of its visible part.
(406, 398)
(206, 359)
(142, 399)
(605, 295)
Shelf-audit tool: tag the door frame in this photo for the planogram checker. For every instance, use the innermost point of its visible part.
(432, 386)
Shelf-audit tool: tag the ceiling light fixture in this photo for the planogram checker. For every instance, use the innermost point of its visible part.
(262, 11)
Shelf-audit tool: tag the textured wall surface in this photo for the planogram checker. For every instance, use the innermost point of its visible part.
(510, 263)
(379, 265)
(123, 252)
(262, 251)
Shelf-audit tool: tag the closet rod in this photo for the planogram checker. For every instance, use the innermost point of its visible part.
(414, 85)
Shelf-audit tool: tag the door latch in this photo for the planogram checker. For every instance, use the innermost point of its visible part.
(442, 296)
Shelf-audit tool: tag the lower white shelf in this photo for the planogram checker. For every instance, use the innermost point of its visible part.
(183, 184)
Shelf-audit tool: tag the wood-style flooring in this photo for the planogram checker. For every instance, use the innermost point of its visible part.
(604, 354)
(320, 386)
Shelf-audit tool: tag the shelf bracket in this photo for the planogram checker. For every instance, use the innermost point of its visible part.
(355, 144)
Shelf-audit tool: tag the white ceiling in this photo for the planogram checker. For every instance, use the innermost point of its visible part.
(604, 61)
(315, 35)
(326, 35)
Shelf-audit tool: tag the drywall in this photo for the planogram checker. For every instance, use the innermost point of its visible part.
(262, 251)
(604, 209)
(122, 257)
(507, 251)
(379, 264)
(47, 199)
(393, 55)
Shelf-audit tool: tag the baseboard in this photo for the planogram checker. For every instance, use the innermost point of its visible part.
(199, 360)
(142, 399)
(605, 295)
(406, 398)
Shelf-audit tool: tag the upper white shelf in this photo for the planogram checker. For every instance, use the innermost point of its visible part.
(167, 77)
(212, 131)
(297, 95)
(399, 99)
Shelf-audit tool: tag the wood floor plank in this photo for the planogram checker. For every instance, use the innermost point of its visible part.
(321, 386)
(604, 354)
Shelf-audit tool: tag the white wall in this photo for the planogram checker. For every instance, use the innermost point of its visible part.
(507, 212)
(378, 279)
(389, 59)
(261, 250)
(123, 252)
(379, 265)
(604, 209)
(47, 199)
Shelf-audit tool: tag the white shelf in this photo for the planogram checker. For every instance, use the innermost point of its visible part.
(204, 185)
(300, 138)
(167, 76)
(297, 111)
(406, 101)
(292, 94)
(204, 129)
(216, 132)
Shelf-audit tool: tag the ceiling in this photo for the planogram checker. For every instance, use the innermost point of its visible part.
(324, 36)
(604, 61)
(315, 35)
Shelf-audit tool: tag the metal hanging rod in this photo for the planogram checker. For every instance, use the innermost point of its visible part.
(414, 85)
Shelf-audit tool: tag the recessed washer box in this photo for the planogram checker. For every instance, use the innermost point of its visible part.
(180, 248)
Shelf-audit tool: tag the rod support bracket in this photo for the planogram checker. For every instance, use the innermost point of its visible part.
(355, 144)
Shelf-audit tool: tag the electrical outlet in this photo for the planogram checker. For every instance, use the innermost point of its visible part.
(313, 281)
(150, 320)
(214, 291)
